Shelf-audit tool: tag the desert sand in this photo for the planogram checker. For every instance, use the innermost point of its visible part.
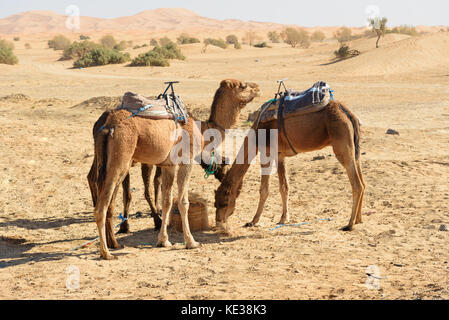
(47, 110)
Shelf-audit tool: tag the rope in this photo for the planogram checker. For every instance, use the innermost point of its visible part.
(212, 167)
(88, 243)
(298, 224)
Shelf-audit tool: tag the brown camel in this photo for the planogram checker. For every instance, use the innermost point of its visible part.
(333, 126)
(126, 140)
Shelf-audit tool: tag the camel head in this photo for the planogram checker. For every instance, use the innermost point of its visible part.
(225, 199)
(239, 91)
(230, 98)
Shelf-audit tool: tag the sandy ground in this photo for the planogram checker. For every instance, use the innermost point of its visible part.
(47, 149)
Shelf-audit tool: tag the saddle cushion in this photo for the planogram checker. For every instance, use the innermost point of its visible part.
(161, 108)
(295, 103)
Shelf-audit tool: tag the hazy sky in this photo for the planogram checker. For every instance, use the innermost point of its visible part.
(305, 13)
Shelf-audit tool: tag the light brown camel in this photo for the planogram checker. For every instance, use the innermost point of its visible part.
(333, 126)
(126, 140)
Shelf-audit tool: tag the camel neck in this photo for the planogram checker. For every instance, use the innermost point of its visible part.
(224, 113)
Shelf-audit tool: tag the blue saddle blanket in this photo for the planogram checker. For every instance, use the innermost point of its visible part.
(298, 102)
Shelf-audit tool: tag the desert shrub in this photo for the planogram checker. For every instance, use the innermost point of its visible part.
(59, 43)
(344, 34)
(295, 37)
(404, 29)
(27, 46)
(83, 37)
(164, 41)
(78, 49)
(16, 38)
(216, 42)
(7, 56)
(237, 45)
(154, 43)
(101, 56)
(317, 36)
(159, 56)
(274, 37)
(344, 52)
(232, 39)
(184, 38)
(108, 41)
(150, 58)
(7, 44)
(261, 45)
(122, 45)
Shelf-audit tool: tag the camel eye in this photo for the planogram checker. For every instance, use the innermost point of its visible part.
(243, 85)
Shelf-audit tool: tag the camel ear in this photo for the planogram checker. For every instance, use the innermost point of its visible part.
(229, 83)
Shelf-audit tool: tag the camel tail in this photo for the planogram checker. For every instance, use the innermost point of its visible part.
(356, 125)
(101, 156)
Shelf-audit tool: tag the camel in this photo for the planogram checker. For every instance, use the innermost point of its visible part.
(334, 126)
(125, 141)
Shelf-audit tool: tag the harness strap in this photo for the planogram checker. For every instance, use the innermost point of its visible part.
(281, 125)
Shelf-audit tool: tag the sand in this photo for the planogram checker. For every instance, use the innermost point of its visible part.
(47, 149)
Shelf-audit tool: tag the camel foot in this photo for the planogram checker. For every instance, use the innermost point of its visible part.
(250, 224)
(193, 245)
(124, 228)
(107, 256)
(164, 244)
(347, 228)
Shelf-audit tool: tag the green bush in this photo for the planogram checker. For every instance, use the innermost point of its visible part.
(108, 41)
(295, 37)
(232, 39)
(165, 41)
(83, 37)
(184, 38)
(159, 56)
(78, 49)
(6, 44)
(216, 42)
(101, 56)
(7, 56)
(237, 45)
(274, 37)
(59, 43)
(154, 43)
(261, 45)
(344, 52)
(317, 36)
(122, 45)
(16, 38)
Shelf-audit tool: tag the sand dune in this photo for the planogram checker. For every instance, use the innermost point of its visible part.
(397, 54)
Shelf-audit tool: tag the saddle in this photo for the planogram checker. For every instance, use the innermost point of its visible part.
(296, 102)
(165, 106)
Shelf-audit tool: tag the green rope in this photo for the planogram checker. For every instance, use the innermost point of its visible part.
(211, 169)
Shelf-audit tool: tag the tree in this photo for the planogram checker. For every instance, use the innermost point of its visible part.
(379, 26)
(294, 37)
(108, 41)
(59, 43)
(343, 35)
(318, 36)
(274, 37)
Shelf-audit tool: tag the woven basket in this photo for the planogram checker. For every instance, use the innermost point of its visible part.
(197, 215)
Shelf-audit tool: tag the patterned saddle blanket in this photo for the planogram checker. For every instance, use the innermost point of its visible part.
(295, 102)
(166, 106)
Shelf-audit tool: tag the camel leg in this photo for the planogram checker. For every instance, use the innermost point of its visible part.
(345, 156)
(183, 178)
(146, 174)
(359, 209)
(168, 174)
(283, 189)
(157, 188)
(91, 179)
(263, 195)
(127, 196)
(110, 237)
